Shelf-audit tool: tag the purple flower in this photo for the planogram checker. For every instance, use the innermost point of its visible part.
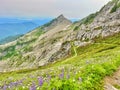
(20, 82)
(48, 78)
(5, 87)
(61, 75)
(80, 79)
(15, 83)
(40, 81)
(33, 87)
(68, 76)
(11, 85)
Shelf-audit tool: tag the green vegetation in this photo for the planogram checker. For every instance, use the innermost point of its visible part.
(76, 28)
(48, 24)
(24, 46)
(116, 6)
(85, 70)
(117, 86)
(9, 51)
(98, 28)
(89, 19)
(39, 32)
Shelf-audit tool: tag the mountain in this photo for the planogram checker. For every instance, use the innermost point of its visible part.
(62, 55)
(9, 39)
(15, 28)
(42, 38)
(52, 41)
(10, 26)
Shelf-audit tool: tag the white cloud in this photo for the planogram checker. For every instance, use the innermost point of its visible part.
(50, 8)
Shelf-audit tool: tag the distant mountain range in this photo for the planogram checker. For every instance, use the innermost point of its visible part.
(9, 39)
(11, 29)
(14, 26)
(17, 26)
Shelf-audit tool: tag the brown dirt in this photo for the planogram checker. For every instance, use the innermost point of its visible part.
(112, 82)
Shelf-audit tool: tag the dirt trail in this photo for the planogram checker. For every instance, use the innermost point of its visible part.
(113, 82)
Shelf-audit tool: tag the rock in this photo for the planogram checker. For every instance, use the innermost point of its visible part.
(80, 44)
(109, 87)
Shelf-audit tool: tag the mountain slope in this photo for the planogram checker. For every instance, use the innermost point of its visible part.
(65, 55)
(34, 44)
(82, 71)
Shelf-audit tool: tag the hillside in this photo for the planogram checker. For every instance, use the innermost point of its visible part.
(36, 43)
(62, 55)
(9, 39)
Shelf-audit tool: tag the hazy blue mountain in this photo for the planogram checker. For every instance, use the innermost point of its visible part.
(9, 39)
(10, 29)
(15, 26)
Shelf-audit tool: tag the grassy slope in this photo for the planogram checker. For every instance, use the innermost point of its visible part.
(84, 71)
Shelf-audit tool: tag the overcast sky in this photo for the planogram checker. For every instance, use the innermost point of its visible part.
(49, 8)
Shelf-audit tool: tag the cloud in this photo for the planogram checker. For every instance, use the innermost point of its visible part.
(50, 8)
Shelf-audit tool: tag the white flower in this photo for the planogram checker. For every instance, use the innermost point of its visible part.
(23, 87)
(73, 80)
(38, 88)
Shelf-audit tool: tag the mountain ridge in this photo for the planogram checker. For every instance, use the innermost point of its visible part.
(15, 28)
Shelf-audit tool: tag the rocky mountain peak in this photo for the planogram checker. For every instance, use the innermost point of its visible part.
(61, 17)
(60, 20)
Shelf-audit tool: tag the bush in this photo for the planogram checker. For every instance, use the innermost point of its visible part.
(89, 18)
(76, 28)
(115, 7)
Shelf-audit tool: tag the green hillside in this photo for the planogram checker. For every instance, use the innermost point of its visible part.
(85, 70)
(62, 55)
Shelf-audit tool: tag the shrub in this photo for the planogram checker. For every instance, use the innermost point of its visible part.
(89, 18)
(115, 7)
(76, 28)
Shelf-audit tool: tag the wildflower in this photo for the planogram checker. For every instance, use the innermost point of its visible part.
(73, 80)
(87, 62)
(68, 76)
(48, 78)
(61, 76)
(80, 79)
(33, 87)
(40, 81)
(5, 87)
(23, 87)
(38, 88)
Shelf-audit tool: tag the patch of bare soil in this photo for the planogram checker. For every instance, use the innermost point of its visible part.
(112, 82)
